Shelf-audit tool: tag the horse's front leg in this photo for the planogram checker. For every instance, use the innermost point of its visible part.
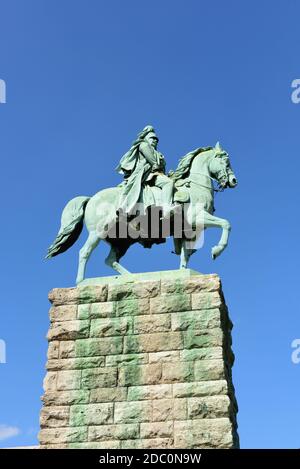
(212, 221)
(189, 237)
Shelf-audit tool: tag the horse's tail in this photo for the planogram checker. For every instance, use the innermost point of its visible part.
(71, 226)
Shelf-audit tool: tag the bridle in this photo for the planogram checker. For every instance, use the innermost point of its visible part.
(214, 189)
(221, 175)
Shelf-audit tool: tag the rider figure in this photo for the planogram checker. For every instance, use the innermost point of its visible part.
(143, 164)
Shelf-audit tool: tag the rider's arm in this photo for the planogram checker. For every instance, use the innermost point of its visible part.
(149, 153)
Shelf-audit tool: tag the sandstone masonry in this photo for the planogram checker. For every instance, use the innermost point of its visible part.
(137, 362)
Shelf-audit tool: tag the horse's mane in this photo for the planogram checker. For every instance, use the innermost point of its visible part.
(186, 161)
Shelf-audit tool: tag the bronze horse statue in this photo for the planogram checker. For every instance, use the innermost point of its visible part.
(194, 188)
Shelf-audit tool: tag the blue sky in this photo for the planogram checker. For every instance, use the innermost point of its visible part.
(83, 77)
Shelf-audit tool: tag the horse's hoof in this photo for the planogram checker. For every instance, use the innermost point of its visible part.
(216, 251)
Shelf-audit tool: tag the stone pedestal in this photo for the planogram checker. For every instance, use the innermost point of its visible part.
(140, 361)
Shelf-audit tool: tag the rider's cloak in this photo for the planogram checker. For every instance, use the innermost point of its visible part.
(137, 170)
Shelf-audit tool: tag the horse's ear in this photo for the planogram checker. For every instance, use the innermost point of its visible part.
(218, 146)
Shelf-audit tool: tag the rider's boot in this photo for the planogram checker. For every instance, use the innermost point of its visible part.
(170, 210)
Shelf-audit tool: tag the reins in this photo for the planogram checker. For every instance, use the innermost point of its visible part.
(206, 187)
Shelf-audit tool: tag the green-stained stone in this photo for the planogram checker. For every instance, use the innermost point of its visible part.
(111, 432)
(132, 277)
(132, 358)
(84, 311)
(91, 414)
(196, 320)
(130, 374)
(198, 339)
(209, 370)
(204, 353)
(92, 293)
(109, 327)
(135, 393)
(133, 307)
(101, 346)
(99, 378)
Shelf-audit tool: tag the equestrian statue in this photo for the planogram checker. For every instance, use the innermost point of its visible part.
(150, 205)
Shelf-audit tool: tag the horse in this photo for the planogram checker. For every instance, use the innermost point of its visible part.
(194, 187)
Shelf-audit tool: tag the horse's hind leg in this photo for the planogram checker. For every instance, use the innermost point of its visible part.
(84, 254)
(113, 257)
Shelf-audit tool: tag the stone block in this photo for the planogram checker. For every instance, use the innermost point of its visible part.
(98, 347)
(208, 407)
(67, 380)
(75, 363)
(53, 350)
(170, 303)
(210, 433)
(164, 357)
(200, 389)
(198, 339)
(99, 378)
(130, 358)
(66, 349)
(69, 330)
(208, 370)
(206, 300)
(133, 307)
(152, 323)
(97, 310)
(205, 353)
(113, 432)
(55, 416)
(63, 313)
(91, 414)
(63, 296)
(108, 394)
(194, 284)
(133, 374)
(157, 430)
(177, 372)
(162, 410)
(143, 289)
(110, 327)
(49, 383)
(65, 398)
(157, 342)
(92, 293)
(196, 320)
(62, 435)
(129, 412)
(150, 392)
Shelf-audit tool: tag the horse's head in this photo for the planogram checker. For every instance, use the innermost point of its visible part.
(220, 168)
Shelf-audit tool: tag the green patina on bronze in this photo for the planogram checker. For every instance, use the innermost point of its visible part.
(186, 192)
